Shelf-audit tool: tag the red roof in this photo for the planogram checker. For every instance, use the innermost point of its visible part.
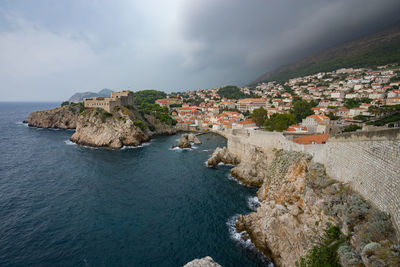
(246, 122)
(312, 139)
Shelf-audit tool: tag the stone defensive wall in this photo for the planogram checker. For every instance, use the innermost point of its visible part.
(368, 161)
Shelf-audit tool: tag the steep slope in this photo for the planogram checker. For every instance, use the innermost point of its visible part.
(122, 127)
(61, 118)
(376, 49)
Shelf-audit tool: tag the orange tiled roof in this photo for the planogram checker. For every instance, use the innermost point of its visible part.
(246, 122)
(252, 99)
(312, 139)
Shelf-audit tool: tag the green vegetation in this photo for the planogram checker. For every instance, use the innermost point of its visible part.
(259, 116)
(232, 92)
(145, 102)
(104, 115)
(302, 109)
(279, 122)
(324, 254)
(147, 96)
(389, 119)
(332, 116)
(355, 102)
(161, 113)
(369, 57)
(351, 128)
(65, 103)
(140, 124)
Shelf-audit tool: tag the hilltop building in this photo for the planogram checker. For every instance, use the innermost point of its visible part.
(124, 98)
(250, 104)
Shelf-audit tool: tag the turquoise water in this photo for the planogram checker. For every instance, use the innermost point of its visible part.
(65, 205)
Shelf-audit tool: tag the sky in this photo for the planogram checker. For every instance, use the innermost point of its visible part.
(50, 49)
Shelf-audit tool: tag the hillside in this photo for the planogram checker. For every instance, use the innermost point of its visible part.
(78, 97)
(372, 50)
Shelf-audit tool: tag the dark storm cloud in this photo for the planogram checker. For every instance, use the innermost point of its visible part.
(252, 37)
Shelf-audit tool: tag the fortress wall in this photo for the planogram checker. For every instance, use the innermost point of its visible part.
(368, 161)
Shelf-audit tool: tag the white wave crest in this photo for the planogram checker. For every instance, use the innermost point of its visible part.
(238, 237)
(69, 142)
(253, 203)
(247, 244)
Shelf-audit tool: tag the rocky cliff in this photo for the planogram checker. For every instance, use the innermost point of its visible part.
(248, 170)
(61, 118)
(300, 205)
(122, 127)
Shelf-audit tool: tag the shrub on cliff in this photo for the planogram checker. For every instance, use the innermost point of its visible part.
(324, 254)
(140, 124)
(65, 103)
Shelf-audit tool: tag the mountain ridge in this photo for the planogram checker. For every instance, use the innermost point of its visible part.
(78, 97)
(382, 47)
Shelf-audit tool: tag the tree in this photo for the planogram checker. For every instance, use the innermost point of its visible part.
(259, 115)
(351, 128)
(279, 122)
(147, 96)
(301, 109)
(65, 103)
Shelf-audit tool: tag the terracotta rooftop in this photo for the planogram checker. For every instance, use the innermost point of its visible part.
(312, 139)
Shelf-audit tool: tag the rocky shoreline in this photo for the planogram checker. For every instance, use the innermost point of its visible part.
(299, 203)
(96, 128)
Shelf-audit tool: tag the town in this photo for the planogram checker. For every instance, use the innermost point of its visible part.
(321, 104)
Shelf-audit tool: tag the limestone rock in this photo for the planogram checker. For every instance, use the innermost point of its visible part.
(112, 132)
(222, 155)
(299, 201)
(60, 118)
(186, 141)
(203, 262)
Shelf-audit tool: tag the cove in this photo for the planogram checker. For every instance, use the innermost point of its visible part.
(65, 205)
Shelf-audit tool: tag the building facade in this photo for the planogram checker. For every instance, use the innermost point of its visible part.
(123, 98)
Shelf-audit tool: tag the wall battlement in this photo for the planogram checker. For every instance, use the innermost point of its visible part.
(368, 161)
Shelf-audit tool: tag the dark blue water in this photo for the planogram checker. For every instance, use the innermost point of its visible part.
(65, 205)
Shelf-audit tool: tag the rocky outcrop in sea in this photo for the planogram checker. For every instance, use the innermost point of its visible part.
(203, 262)
(122, 127)
(300, 204)
(248, 170)
(222, 155)
(60, 118)
(187, 140)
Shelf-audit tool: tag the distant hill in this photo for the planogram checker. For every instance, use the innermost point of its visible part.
(369, 51)
(78, 97)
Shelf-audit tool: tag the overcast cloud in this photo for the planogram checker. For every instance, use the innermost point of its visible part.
(52, 49)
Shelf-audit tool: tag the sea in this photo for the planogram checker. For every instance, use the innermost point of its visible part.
(68, 205)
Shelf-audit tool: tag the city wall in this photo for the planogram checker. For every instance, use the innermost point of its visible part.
(368, 161)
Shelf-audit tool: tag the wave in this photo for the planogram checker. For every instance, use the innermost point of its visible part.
(253, 203)
(20, 123)
(230, 177)
(246, 244)
(133, 147)
(69, 142)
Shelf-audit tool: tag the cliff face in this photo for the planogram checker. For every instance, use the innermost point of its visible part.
(123, 127)
(299, 201)
(61, 118)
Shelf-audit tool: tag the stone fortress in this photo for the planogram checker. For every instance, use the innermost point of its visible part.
(123, 98)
